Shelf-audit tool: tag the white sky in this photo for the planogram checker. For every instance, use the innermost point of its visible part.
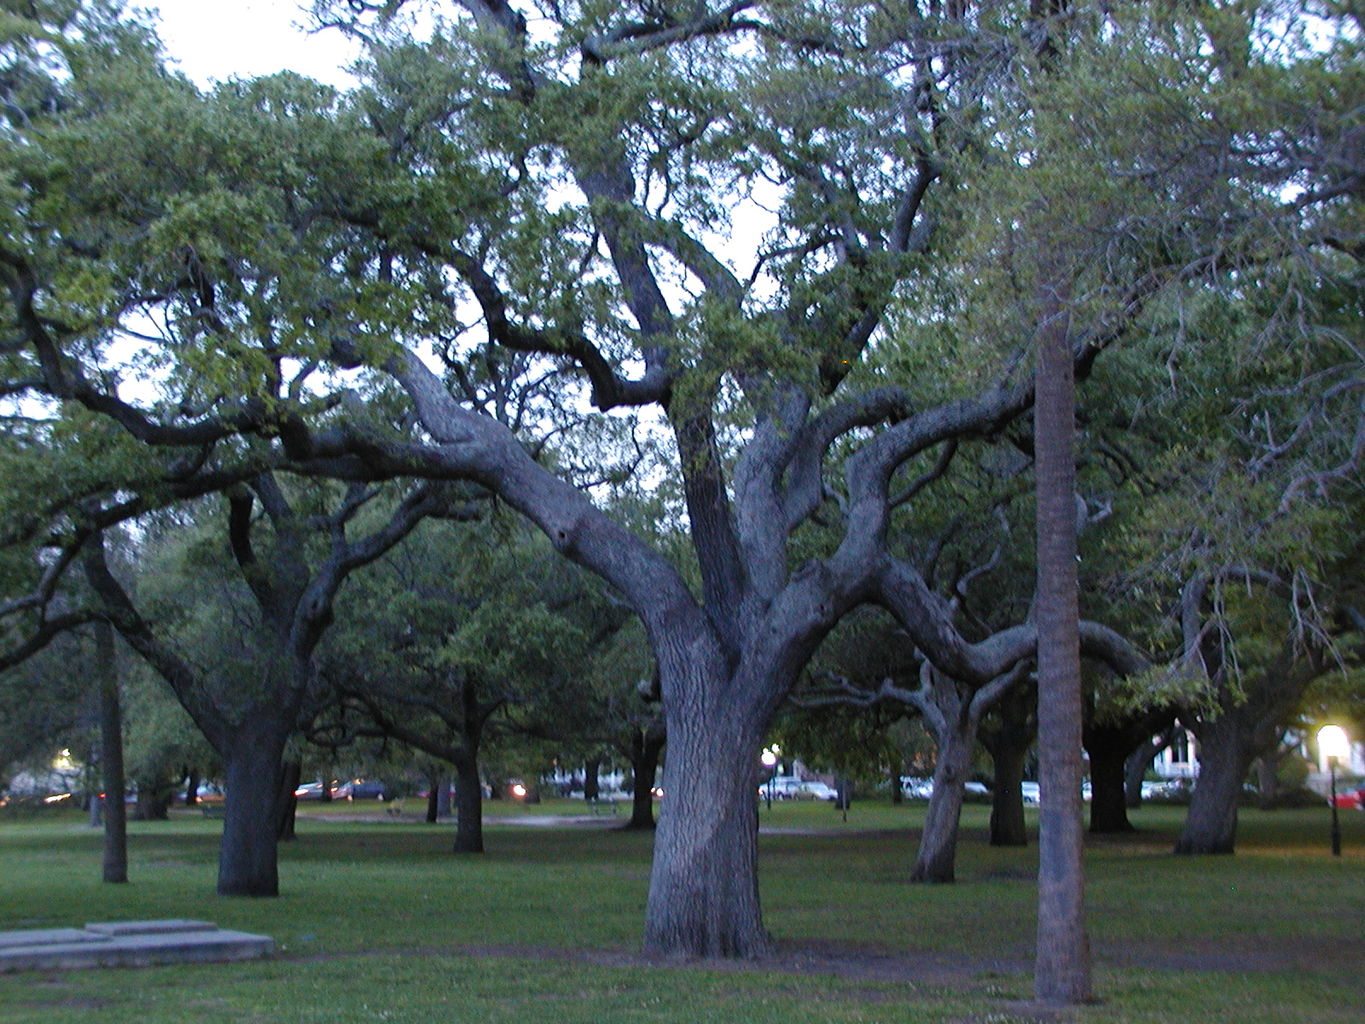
(213, 40)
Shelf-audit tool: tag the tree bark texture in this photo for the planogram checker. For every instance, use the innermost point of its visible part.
(1224, 760)
(1062, 967)
(703, 888)
(248, 858)
(1244, 729)
(1008, 826)
(468, 807)
(1007, 735)
(115, 859)
(937, 856)
(646, 745)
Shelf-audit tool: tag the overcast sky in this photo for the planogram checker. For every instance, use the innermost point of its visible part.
(213, 40)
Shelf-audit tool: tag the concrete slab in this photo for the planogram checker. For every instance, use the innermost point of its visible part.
(128, 944)
(167, 927)
(48, 936)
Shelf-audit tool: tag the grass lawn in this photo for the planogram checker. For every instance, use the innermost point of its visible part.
(379, 922)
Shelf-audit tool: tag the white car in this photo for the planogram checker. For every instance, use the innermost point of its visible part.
(1031, 792)
(783, 787)
(816, 791)
(917, 788)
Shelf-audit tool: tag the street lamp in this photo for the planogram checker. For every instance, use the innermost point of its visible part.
(1333, 745)
(769, 759)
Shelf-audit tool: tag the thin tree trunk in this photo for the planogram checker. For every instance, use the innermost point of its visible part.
(1135, 768)
(1062, 967)
(434, 784)
(443, 796)
(592, 787)
(937, 857)
(93, 775)
(192, 781)
(111, 758)
(645, 747)
(286, 803)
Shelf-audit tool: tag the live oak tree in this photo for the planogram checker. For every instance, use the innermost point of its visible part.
(464, 642)
(248, 679)
(563, 187)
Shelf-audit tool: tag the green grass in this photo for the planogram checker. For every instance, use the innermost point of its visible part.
(379, 922)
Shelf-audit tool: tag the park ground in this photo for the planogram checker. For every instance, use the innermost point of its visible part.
(379, 922)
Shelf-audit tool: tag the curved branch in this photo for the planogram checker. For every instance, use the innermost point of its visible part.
(636, 38)
(48, 630)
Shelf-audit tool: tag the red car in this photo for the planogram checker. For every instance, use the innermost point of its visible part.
(1354, 798)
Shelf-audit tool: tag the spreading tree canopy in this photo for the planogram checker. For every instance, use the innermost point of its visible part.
(801, 245)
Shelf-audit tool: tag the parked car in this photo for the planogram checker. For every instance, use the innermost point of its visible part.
(1031, 792)
(1352, 798)
(782, 787)
(917, 788)
(816, 791)
(360, 789)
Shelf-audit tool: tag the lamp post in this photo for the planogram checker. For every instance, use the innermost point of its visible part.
(1333, 745)
(769, 759)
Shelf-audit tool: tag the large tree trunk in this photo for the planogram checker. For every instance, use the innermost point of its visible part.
(1224, 759)
(937, 855)
(248, 857)
(1109, 749)
(1007, 739)
(1062, 966)
(154, 797)
(469, 807)
(645, 747)
(1008, 826)
(703, 888)
(1237, 736)
(111, 758)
